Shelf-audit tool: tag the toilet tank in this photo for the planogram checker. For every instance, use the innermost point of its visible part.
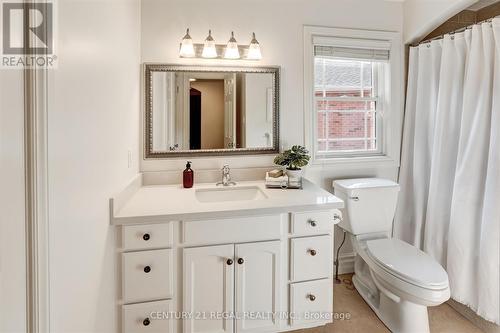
(370, 204)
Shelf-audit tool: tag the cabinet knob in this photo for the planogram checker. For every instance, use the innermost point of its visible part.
(147, 269)
(312, 223)
(146, 322)
(241, 261)
(311, 297)
(146, 237)
(229, 262)
(312, 252)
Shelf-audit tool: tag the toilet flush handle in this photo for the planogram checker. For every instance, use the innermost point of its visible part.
(354, 198)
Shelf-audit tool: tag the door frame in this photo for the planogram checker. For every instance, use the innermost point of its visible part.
(36, 194)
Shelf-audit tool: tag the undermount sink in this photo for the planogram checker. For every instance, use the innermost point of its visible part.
(221, 194)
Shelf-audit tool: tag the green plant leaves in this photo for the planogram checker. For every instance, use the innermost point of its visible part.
(294, 158)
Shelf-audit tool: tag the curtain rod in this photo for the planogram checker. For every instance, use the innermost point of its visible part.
(453, 32)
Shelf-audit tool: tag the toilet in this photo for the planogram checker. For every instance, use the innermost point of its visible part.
(396, 279)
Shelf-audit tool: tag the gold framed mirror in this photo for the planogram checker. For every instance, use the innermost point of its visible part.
(210, 110)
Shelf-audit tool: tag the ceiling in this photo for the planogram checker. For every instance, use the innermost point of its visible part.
(481, 4)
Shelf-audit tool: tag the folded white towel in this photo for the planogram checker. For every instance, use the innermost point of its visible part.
(276, 181)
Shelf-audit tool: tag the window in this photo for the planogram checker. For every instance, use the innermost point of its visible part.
(349, 90)
(347, 101)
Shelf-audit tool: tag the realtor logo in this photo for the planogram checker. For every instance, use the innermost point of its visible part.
(27, 34)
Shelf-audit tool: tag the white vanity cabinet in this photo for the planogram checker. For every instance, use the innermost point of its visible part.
(258, 286)
(234, 280)
(208, 288)
(262, 268)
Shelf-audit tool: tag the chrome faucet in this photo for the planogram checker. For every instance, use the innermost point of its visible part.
(226, 177)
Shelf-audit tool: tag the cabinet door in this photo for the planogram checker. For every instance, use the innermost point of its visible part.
(208, 283)
(258, 286)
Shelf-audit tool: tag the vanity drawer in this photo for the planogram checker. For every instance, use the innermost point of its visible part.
(148, 236)
(311, 258)
(232, 230)
(314, 298)
(147, 317)
(147, 275)
(314, 222)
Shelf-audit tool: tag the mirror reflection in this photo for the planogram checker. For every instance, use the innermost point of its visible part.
(212, 110)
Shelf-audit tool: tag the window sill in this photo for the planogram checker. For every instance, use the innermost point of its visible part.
(383, 161)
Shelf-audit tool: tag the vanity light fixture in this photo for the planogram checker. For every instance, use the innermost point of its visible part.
(254, 49)
(187, 48)
(232, 51)
(209, 50)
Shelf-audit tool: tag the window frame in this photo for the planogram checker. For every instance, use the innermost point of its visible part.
(390, 101)
(378, 111)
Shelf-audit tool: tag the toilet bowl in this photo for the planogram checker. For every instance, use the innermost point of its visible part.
(396, 279)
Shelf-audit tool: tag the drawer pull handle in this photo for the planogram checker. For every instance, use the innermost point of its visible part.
(229, 262)
(146, 237)
(312, 252)
(241, 261)
(147, 269)
(312, 223)
(311, 297)
(146, 322)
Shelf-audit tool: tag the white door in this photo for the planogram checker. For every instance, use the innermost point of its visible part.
(258, 286)
(230, 111)
(208, 281)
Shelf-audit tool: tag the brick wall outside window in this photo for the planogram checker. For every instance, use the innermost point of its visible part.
(345, 105)
(333, 124)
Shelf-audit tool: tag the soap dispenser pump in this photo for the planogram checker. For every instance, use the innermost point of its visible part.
(188, 176)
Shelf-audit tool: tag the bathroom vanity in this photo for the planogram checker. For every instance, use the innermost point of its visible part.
(224, 259)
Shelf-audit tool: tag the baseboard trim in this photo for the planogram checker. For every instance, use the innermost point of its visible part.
(346, 263)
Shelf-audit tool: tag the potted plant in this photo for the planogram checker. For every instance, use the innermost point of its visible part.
(293, 159)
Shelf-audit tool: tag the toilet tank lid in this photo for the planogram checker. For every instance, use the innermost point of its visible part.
(363, 183)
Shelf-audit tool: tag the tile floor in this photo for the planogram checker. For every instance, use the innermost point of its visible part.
(443, 319)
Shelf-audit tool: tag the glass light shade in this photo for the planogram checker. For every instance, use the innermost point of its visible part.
(232, 51)
(187, 48)
(209, 50)
(254, 49)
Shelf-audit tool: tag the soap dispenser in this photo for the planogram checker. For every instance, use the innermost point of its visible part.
(188, 176)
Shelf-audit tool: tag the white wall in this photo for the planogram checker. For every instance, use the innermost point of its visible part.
(93, 122)
(12, 245)
(278, 25)
(423, 16)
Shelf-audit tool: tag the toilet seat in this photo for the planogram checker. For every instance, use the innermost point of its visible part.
(407, 263)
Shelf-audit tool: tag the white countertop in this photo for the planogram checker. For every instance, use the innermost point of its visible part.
(160, 203)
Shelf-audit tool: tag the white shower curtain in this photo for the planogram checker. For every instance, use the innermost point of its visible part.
(449, 203)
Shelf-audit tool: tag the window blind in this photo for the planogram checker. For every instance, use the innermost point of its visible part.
(351, 53)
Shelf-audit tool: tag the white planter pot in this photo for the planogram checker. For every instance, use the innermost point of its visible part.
(294, 175)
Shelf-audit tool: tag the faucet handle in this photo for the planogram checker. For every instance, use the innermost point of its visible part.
(225, 167)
